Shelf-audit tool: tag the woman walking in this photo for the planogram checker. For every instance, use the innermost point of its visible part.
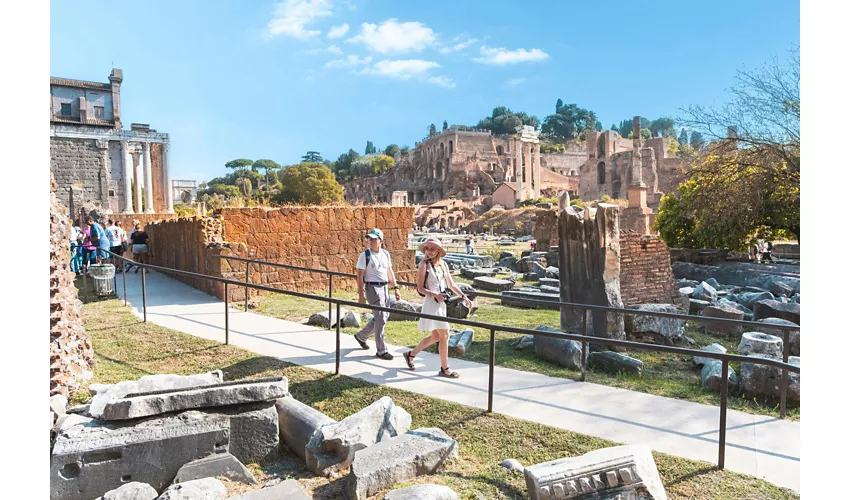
(433, 281)
(139, 240)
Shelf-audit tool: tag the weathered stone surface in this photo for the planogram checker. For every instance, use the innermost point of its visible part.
(697, 306)
(712, 376)
(298, 422)
(254, 431)
(710, 348)
(208, 488)
(351, 320)
(223, 464)
(762, 380)
(457, 308)
(626, 472)
(780, 289)
(418, 452)
(508, 261)
(131, 491)
(774, 309)
(530, 277)
(91, 458)
(512, 465)
(513, 298)
(321, 318)
(760, 343)
(550, 289)
(149, 383)
(477, 272)
(748, 299)
(285, 490)
(553, 272)
(58, 403)
(724, 302)
(226, 393)
(713, 282)
(737, 274)
(705, 291)
(403, 305)
(524, 342)
(333, 446)
(687, 291)
(423, 492)
(668, 330)
(615, 362)
(459, 342)
(562, 351)
(492, 284)
(755, 289)
(687, 283)
(793, 335)
(724, 312)
(549, 282)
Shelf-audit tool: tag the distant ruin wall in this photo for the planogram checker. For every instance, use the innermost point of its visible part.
(327, 238)
(646, 275)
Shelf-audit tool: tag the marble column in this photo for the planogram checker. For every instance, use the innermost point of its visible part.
(531, 181)
(146, 156)
(127, 175)
(520, 170)
(139, 178)
(166, 174)
(538, 174)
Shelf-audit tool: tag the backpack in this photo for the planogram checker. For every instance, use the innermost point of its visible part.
(368, 254)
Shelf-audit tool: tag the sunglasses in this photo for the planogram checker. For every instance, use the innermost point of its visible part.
(428, 249)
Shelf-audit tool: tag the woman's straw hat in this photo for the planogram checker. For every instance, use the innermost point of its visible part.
(435, 242)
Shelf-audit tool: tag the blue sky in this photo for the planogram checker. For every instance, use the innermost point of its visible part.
(267, 79)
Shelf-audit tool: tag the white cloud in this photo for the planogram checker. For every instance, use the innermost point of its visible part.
(455, 47)
(392, 36)
(348, 62)
(338, 31)
(442, 81)
(332, 49)
(291, 18)
(350, 5)
(502, 56)
(513, 82)
(402, 69)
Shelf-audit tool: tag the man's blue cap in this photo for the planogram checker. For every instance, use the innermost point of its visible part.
(375, 234)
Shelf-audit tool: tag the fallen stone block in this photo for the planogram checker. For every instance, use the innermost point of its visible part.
(748, 299)
(298, 422)
(550, 289)
(131, 491)
(710, 348)
(789, 311)
(793, 335)
(508, 261)
(223, 464)
(523, 342)
(530, 276)
(416, 453)
(725, 312)
(546, 300)
(92, 458)
(403, 305)
(512, 465)
(705, 291)
(254, 431)
(668, 330)
(781, 289)
(149, 383)
(492, 284)
(615, 362)
(322, 319)
(712, 376)
(285, 490)
(550, 282)
(223, 394)
(208, 488)
(423, 492)
(565, 352)
(553, 272)
(766, 381)
(620, 472)
(351, 320)
(477, 272)
(696, 306)
(460, 342)
(333, 446)
(760, 343)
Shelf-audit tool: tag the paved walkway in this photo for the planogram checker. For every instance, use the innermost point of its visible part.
(765, 447)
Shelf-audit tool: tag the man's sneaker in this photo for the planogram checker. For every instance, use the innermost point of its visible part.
(385, 355)
(363, 344)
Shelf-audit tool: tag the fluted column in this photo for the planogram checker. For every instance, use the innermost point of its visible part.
(166, 173)
(520, 170)
(139, 179)
(146, 157)
(538, 182)
(127, 174)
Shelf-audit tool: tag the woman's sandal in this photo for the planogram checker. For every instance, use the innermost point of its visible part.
(445, 372)
(409, 358)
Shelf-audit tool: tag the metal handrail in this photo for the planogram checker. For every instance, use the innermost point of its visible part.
(584, 338)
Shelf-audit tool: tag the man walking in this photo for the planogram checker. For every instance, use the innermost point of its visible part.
(100, 239)
(374, 272)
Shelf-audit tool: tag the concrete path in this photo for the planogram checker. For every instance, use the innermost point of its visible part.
(761, 446)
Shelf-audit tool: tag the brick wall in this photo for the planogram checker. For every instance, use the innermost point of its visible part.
(71, 354)
(329, 238)
(79, 162)
(646, 275)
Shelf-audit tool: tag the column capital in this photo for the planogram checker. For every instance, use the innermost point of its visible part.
(166, 147)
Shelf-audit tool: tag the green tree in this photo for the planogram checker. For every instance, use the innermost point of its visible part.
(382, 163)
(370, 148)
(267, 166)
(683, 137)
(432, 130)
(309, 184)
(662, 127)
(342, 167)
(445, 125)
(312, 157)
(391, 150)
(505, 121)
(558, 105)
(362, 167)
(569, 122)
(244, 185)
(598, 126)
(240, 164)
(697, 141)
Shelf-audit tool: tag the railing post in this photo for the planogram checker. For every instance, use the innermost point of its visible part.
(338, 321)
(584, 345)
(330, 307)
(783, 390)
(144, 298)
(724, 390)
(492, 364)
(247, 274)
(226, 315)
(124, 279)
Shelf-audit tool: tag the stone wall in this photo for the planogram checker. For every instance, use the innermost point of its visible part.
(71, 353)
(328, 238)
(80, 162)
(646, 275)
(564, 162)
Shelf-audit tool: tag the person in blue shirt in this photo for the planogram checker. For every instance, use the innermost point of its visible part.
(101, 239)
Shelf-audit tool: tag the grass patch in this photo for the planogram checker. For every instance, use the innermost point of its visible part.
(664, 374)
(126, 348)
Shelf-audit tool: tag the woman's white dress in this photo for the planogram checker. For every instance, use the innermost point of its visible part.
(430, 304)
